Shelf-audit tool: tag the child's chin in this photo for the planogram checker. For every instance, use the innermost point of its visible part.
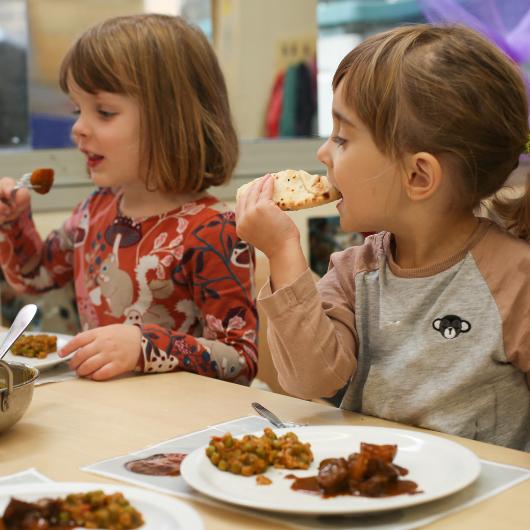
(100, 182)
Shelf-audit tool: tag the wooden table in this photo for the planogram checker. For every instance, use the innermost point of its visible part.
(76, 423)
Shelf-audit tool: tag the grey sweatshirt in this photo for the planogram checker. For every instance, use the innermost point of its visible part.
(445, 347)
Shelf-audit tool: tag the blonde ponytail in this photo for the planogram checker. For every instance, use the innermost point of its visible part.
(514, 212)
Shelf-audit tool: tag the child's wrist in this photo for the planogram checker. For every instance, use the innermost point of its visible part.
(287, 264)
(285, 251)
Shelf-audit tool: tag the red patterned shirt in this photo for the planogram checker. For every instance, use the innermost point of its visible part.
(184, 277)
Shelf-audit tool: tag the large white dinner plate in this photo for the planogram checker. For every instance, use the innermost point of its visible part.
(42, 364)
(439, 467)
(159, 512)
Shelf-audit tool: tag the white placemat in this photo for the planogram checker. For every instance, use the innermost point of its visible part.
(57, 374)
(27, 476)
(493, 479)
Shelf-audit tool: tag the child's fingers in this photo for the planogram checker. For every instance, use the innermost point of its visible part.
(267, 188)
(82, 355)
(20, 198)
(7, 191)
(80, 340)
(107, 371)
(253, 193)
(5, 209)
(91, 365)
(6, 197)
(256, 193)
(246, 200)
(241, 205)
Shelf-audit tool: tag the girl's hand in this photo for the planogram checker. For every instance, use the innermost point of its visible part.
(12, 205)
(262, 223)
(104, 352)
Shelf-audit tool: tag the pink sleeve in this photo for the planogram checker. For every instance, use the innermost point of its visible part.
(504, 262)
(312, 336)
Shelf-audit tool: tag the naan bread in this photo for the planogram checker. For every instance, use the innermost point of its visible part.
(297, 189)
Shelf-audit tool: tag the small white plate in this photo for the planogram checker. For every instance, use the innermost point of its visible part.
(159, 512)
(439, 467)
(42, 364)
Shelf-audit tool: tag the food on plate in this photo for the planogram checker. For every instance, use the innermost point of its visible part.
(93, 509)
(254, 454)
(370, 473)
(262, 480)
(297, 189)
(159, 464)
(42, 180)
(38, 346)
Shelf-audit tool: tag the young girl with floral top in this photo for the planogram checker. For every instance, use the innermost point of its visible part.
(162, 281)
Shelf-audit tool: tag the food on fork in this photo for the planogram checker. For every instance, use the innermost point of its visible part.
(254, 454)
(38, 346)
(370, 473)
(93, 509)
(297, 189)
(42, 180)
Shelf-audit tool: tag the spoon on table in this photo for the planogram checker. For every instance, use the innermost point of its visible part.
(21, 322)
(272, 418)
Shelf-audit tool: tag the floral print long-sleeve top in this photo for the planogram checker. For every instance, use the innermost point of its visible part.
(184, 277)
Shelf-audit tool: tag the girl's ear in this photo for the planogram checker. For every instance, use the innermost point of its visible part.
(422, 177)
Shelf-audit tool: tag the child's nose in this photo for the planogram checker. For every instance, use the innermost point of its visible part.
(323, 154)
(80, 128)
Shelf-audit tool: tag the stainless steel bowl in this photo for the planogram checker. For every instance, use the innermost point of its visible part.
(16, 390)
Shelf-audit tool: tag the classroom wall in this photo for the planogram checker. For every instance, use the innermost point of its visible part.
(249, 37)
(54, 24)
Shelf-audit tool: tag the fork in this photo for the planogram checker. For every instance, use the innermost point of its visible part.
(270, 416)
(24, 182)
(39, 180)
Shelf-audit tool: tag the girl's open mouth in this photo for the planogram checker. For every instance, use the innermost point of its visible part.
(94, 160)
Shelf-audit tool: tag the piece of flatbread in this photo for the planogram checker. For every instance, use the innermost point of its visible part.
(297, 189)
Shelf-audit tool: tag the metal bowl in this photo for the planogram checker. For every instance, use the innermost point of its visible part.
(16, 390)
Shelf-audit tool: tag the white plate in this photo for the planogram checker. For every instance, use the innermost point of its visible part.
(439, 467)
(159, 512)
(42, 364)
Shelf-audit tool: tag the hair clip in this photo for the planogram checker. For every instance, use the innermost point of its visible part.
(527, 146)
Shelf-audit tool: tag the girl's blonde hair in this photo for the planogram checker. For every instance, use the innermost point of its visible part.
(188, 141)
(445, 90)
(514, 212)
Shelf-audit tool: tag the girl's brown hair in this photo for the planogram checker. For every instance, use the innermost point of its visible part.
(514, 212)
(445, 90)
(188, 141)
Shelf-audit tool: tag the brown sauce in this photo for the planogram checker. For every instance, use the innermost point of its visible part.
(310, 485)
(163, 464)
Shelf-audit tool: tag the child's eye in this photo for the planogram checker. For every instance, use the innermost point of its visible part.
(106, 113)
(76, 112)
(338, 140)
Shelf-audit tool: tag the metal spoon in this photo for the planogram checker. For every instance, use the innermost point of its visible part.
(21, 322)
(270, 416)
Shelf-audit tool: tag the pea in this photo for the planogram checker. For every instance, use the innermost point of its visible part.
(235, 467)
(247, 471)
